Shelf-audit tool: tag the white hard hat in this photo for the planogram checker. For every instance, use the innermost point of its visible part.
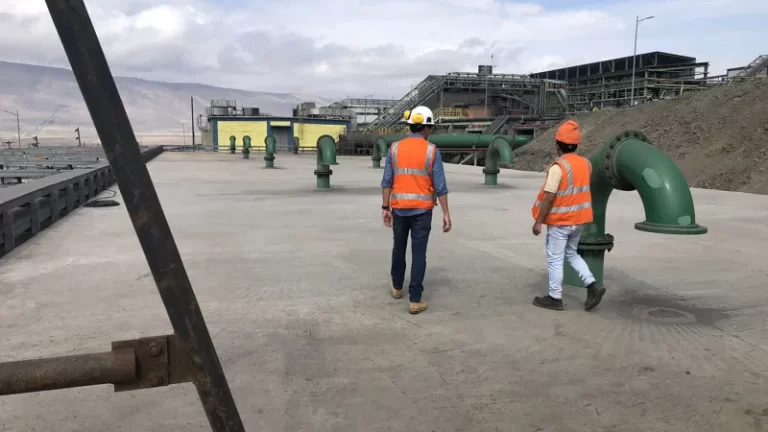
(420, 115)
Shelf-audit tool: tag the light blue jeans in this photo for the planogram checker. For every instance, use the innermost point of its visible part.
(562, 241)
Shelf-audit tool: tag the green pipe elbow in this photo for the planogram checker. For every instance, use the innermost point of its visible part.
(296, 143)
(232, 144)
(498, 151)
(326, 151)
(270, 144)
(246, 147)
(629, 162)
(380, 149)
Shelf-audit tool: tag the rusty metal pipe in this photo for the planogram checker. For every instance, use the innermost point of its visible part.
(54, 373)
(97, 85)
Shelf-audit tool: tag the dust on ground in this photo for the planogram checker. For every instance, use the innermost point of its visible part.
(718, 137)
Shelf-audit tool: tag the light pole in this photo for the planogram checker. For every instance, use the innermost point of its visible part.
(183, 132)
(365, 108)
(634, 58)
(18, 125)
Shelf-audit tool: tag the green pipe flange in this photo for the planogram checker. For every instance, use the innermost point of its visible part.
(668, 229)
(605, 243)
(609, 168)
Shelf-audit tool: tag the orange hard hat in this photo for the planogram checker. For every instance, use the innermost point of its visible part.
(568, 133)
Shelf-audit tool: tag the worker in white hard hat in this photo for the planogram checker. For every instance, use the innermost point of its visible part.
(413, 177)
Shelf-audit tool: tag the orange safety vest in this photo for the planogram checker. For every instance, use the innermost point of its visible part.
(573, 202)
(412, 162)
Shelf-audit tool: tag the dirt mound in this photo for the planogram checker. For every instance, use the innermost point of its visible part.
(718, 137)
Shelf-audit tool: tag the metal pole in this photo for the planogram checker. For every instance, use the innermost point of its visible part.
(634, 59)
(89, 65)
(18, 128)
(192, 110)
(56, 373)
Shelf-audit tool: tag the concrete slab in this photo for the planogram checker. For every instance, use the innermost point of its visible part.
(294, 283)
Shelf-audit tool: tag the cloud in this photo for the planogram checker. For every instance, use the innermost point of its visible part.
(355, 47)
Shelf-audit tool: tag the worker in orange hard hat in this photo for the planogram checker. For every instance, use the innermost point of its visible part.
(564, 204)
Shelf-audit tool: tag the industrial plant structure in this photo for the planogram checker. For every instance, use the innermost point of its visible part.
(481, 102)
(225, 120)
(608, 83)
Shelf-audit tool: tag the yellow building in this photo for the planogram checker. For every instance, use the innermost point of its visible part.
(284, 129)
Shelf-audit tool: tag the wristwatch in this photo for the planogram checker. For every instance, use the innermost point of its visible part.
(385, 207)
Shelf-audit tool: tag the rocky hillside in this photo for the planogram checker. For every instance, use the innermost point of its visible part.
(718, 137)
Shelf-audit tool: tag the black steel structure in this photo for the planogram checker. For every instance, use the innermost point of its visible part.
(188, 355)
(608, 83)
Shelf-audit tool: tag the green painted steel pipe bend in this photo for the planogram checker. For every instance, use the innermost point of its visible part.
(326, 155)
(246, 147)
(270, 148)
(296, 143)
(630, 162)
(232, 144)
(380, 149)
(499, 151)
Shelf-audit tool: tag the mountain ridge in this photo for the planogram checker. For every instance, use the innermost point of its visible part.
(51, 106)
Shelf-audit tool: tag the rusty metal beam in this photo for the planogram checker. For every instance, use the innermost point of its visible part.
(89, 65)
(56, 373)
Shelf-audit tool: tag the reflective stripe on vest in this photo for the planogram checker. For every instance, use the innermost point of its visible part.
(427, 171)
(574, 213)
(418, 200)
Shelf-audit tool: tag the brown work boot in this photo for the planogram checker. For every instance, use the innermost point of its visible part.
(595, 293)
(548, 302)
(397, 293)
(418, 307)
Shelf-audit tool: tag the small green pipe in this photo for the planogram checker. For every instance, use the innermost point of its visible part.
(629, 162)
(246, 147)
(296, 142)
(270, 148)
(380, 149)
(232, 144)
(498, 151)
(326, 155)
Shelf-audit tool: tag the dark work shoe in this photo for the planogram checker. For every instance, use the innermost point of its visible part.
(548, 302)
(595, 293)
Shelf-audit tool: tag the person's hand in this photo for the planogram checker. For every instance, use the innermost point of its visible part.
(537, 228)
(386, 217)
(446, 223)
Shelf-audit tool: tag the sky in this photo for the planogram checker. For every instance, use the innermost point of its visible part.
(366, 47)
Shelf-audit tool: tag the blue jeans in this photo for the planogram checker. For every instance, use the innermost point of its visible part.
(562, 242)
(419, 226)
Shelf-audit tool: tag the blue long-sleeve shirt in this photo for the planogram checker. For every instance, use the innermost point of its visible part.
(438, 179)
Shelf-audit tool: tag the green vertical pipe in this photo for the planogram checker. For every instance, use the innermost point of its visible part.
(629, 162)
(296, 142)
(326, 155)
(380, 149)
(232, 144)
(246, 147)
(498, 152)
(270, 147)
